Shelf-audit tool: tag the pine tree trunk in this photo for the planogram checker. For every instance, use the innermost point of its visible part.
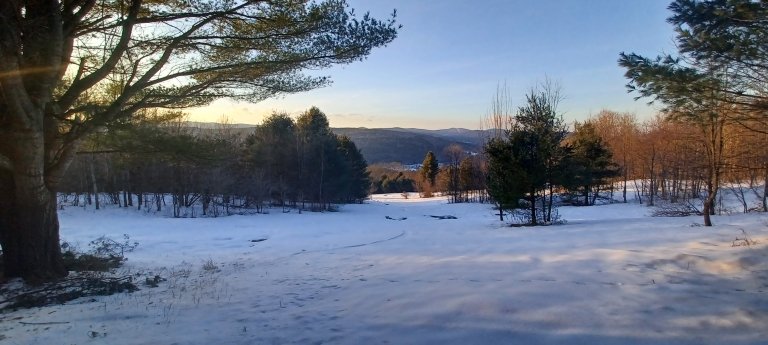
(94, 186)
(29, 227)
(595, 194)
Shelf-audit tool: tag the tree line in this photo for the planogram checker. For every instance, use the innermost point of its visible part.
(666, 161)
(281, 162)
(680, 166)
(710, 134)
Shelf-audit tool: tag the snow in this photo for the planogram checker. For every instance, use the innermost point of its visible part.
(610, 275)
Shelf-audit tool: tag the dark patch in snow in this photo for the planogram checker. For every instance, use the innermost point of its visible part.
(444, 217)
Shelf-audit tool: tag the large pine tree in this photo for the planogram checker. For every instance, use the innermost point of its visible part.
(271, 149)
(69, 67)
(317, 145)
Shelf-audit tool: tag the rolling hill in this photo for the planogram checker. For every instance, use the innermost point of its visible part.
(409, 145)
(386, 145)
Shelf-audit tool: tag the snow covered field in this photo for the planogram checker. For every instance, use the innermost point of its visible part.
(611, 275)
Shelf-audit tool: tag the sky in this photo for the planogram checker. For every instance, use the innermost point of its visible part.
(450, 56)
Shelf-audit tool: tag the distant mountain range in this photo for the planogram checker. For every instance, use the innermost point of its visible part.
(404, 145)
(410, 145)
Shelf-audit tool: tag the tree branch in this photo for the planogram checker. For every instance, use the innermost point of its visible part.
(79, 86)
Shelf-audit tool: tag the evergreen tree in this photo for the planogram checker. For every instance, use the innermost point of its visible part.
(316, 144)
(358, 181)
(503, 183)
(330, 168)
(337, 173)
(429, 168)
(466, 176)
(271, 149)
(712, 37)
(536, 138)
(591, 164)
(532, 153)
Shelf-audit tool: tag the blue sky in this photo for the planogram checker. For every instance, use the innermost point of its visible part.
(443, 68)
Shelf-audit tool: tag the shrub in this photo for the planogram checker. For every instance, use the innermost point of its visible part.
(104, 254)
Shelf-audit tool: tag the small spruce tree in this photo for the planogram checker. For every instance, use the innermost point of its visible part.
(429, 168)
(593, 162)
